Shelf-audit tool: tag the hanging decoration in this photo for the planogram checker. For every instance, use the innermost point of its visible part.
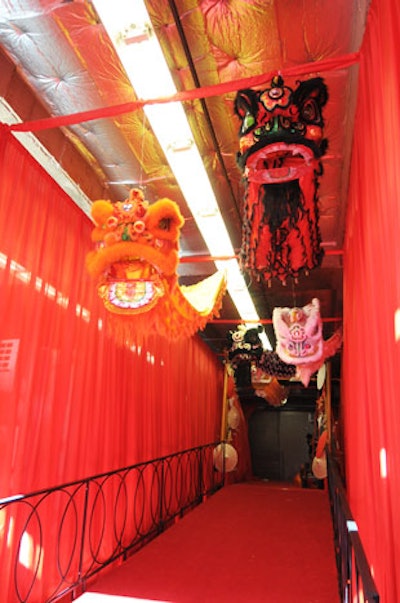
(247, 357)
(300, 352)
(299, 338)
(321, 376)
(270, 378)
(256, 371)
(270, 389)
(244, 351)
(281, 145)
(319, 461)
(298, 333)
(135, 263)
(225, 458)
(272, 366)
(234, 431)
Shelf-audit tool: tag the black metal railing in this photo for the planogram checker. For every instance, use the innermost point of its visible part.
(95, 522)
(356, 583)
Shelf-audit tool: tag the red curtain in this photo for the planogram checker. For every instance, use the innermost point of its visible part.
(371, 354)
(72, 402)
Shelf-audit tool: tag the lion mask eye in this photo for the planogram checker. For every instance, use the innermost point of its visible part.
(310, 111)
(165, 224)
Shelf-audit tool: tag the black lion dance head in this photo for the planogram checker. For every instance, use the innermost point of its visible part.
(281, 145)
(244, 351)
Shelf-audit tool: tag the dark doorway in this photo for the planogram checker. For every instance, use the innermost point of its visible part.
(278, 442)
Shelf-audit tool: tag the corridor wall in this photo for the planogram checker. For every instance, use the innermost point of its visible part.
(371, 350)
(72, 402)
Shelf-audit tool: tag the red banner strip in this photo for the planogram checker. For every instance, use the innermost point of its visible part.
(185, 95)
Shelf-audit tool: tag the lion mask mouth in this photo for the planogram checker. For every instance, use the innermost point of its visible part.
(135, 263)
(279, 162)
(127, 294)
(131, 285)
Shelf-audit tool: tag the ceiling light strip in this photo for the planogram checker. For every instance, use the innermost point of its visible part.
(129, 27)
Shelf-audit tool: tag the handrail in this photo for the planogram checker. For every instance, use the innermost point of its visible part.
(96, 521)
(355, 580)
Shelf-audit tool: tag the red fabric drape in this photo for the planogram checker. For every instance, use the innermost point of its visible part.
(371, 352)
(71, 384)
(73, 403)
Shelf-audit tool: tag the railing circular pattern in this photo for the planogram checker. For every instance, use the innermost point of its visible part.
(102, 518)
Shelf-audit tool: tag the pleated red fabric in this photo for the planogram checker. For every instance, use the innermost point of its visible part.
(371, 353)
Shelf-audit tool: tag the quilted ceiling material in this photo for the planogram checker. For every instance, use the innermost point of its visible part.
(56, 59)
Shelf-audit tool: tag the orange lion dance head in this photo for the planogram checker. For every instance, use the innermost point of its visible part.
(135, 263)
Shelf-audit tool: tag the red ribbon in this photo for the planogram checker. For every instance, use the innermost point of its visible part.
(185, 95)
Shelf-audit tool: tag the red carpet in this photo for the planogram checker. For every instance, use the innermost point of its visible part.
(250, 542)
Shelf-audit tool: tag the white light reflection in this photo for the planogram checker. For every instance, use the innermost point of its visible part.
(397, 325)
(383, 463)
(130, 30)
(102, 598)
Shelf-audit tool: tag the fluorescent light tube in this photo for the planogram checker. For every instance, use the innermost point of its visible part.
(129, 27)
